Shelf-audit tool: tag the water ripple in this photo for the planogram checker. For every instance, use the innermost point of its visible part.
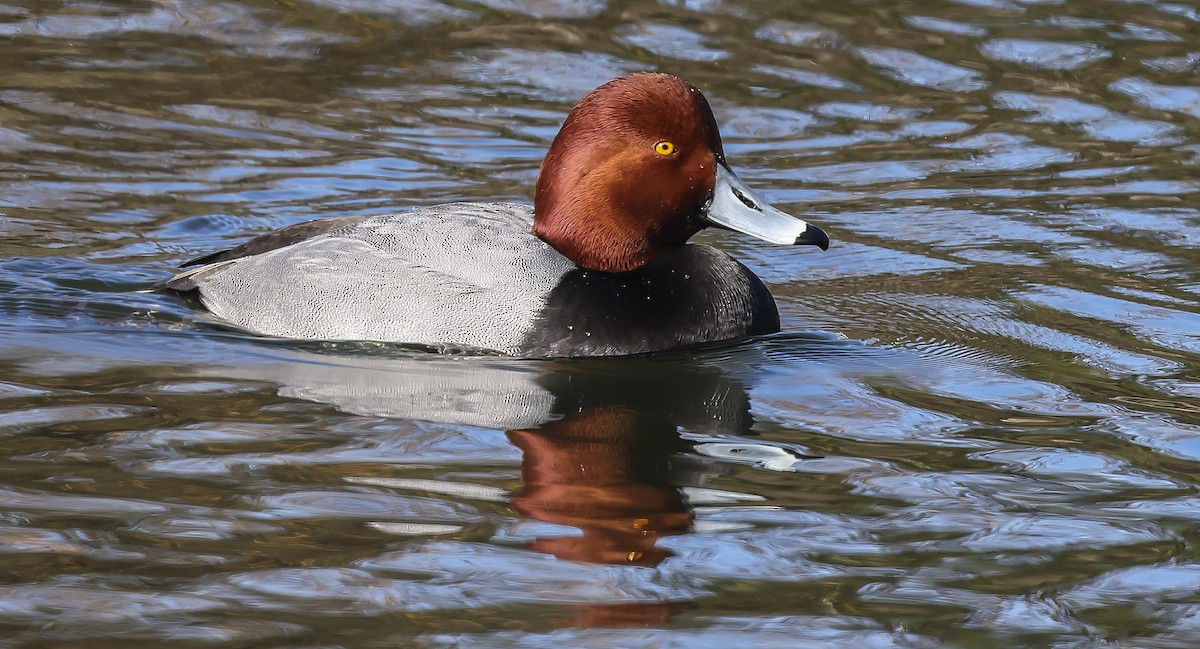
(1048, 55)
(978, 426)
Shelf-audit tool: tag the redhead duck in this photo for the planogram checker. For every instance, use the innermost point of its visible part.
(600, 266)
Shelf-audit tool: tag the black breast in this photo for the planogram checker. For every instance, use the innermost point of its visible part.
(691, 296)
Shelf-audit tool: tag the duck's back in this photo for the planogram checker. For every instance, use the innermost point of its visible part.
(469, 274)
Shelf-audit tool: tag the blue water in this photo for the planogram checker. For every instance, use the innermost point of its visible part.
(980, 426)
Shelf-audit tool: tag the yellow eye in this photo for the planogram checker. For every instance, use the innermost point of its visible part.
(664, 148)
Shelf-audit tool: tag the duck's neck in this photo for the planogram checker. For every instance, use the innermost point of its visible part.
(609, 231)
(600, 245)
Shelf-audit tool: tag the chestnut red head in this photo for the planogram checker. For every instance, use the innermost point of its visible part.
(637, 168)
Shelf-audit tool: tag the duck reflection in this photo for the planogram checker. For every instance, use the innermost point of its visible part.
(611, 465)
(595, 472)
(602, 449)
(609, 448)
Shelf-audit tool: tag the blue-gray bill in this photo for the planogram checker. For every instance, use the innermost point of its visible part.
(735, 207)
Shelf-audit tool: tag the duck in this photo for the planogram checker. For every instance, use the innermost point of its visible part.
(600, 265)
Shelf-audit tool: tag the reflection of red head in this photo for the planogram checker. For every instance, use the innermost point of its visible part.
(641, 614)
(593, 471)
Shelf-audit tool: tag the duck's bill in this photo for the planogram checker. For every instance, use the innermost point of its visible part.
(733, 206)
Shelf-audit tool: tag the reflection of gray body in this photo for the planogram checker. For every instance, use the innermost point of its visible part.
(505, 393)
(473, 275)
(486, 392)
(468, 274)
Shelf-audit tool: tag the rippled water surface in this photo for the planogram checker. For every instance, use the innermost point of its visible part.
(980, 427)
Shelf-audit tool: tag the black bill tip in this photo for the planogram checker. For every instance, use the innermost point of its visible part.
(813, 236)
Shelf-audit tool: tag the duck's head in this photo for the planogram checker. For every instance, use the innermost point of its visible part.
(637, 169)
